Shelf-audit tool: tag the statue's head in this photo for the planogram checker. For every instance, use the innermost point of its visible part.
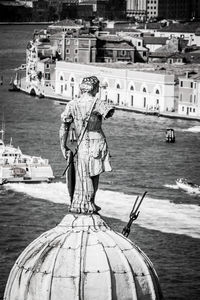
(90, 85)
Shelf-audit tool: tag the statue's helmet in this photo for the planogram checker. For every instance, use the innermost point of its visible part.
(89, 84)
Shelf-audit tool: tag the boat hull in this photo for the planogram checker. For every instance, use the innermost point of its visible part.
(26, 174)
(188, 186)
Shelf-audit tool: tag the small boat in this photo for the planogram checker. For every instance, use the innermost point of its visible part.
(18, 167)
(188, 186)
(170, 135)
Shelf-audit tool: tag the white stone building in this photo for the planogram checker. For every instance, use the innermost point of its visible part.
(142, 90)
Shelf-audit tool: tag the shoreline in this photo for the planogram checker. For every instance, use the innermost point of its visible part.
(48, 93)
(26, 23)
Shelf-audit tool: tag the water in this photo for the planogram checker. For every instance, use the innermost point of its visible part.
(168, 227)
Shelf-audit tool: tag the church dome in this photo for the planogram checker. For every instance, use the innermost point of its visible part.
(82, 258)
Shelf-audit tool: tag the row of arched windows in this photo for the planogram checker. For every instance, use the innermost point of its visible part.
(132, 89)
(117, 86)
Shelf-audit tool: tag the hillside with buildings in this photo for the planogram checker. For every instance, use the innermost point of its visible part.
(158, 75)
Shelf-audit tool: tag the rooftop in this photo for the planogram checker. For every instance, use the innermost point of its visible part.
(160, 68)
(154, 40)
(179, 27)
(66, 23)
(150, 26)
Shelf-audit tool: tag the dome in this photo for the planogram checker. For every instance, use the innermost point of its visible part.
(82, 258)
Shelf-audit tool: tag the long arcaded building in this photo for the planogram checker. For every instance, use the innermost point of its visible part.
(123, 86)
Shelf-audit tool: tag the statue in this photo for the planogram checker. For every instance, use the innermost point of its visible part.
(81, 122)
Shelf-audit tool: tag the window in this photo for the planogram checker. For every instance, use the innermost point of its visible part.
(182, 108)
(76, 51)
(47, 76)
(157, 92)
(131, 88)
(123, 52)
(144, 90)
(157, 101)
(47, 66)
(67, 51)
(190, 98)
(145, 101)
(61, 77)
(139, 44)
(193, 109)
(65, 87)
(190, 109)
(132, 100)
(191, 85)
(180, 97)
(181, 83)
(118, 98)
(67, 42)
(118, 86)
(75, 59)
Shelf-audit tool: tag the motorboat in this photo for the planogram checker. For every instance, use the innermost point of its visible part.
(18, 167)
(188, 186)
(170, 135)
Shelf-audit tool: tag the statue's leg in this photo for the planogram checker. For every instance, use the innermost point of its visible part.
(95, 181)
(85, 189)
(71, 179)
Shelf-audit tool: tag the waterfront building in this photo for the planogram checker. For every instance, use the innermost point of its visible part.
(163, 9)
(141, 52)
(188, 31)
(46, 72)
(167, 57)
(136, 8)
(79, 48)
(125, 87)
(153, 43)
(189, 94)
(112, 48)
(40, 62)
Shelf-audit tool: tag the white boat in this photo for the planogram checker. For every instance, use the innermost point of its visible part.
(17, 167)
(188, 186)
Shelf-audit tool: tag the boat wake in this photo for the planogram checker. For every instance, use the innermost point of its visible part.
(172, 186)
(161, 215)
(192, 129)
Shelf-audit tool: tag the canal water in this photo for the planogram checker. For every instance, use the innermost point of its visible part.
(168, 227)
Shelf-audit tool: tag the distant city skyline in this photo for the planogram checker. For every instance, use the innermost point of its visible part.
(177, 9)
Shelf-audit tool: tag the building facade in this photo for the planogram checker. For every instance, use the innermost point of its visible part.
(189, 95)
(113, 49)
(79, 48)
(163, 9)
(136, 8)
(124, 87)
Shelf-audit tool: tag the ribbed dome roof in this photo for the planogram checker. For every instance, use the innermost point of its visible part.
(82, 258)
